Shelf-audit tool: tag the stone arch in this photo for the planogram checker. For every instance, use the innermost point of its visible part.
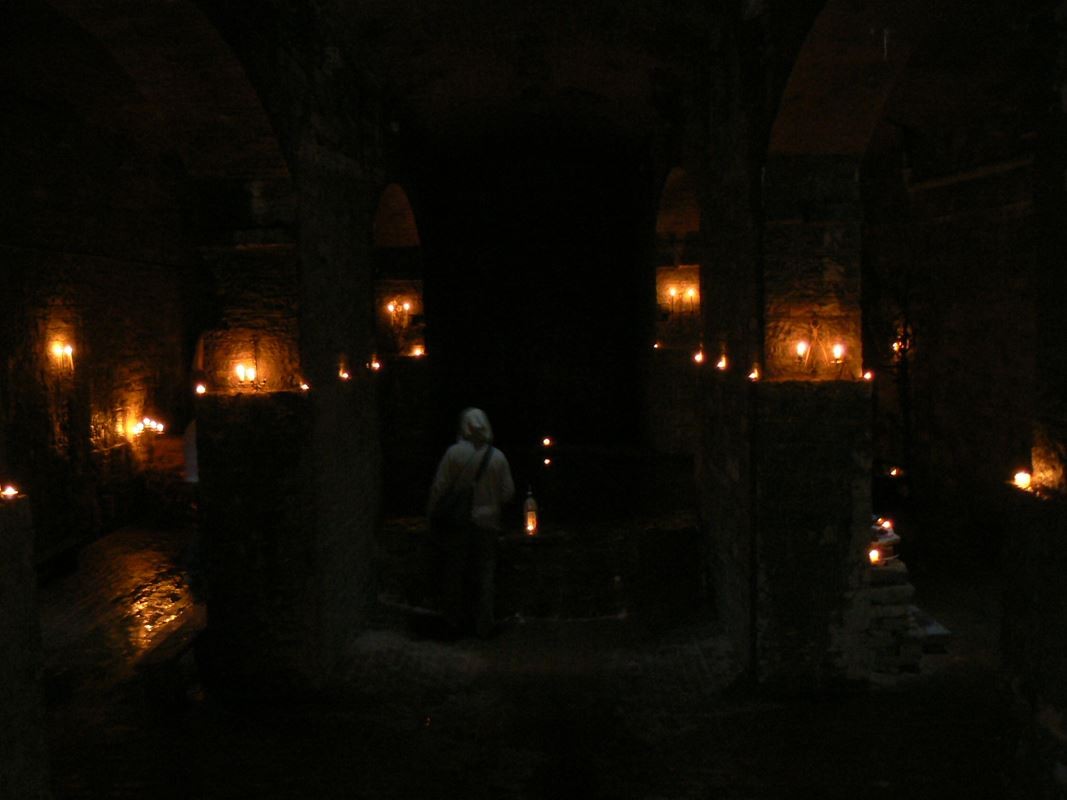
(394, 220)
(678, 216)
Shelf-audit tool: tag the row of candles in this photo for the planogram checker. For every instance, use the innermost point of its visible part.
(802, 349)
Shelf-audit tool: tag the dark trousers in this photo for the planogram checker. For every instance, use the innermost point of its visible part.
(468, 581)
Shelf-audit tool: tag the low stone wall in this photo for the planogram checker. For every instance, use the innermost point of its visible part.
(23, 760)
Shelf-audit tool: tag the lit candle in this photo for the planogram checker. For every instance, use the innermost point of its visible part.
(1023, 480)
(374, 364)
(407, 306)
(802, 349)
(868, 376)
(547, 441)
(895, 472)
(838, 351)
(342, 373)
(391, 308)
(418, 351)
(9, 492)
(57, 349)
(754, 375)
(722, 363)
(241, 373)
(548, 462)
(885, 524)
(304, 387)
(698, 356)
(251, 372)
(655, 345)
(875, 555)
(201, 388)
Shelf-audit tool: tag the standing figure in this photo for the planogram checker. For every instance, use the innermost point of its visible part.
(473, 481)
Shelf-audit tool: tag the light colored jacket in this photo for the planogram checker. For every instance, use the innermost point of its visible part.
(460, 463)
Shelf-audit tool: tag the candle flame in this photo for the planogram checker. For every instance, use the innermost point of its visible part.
(895, 472)
(698, 356)
(374, 364)
(10, 492)
(839, 351)
(868, 376)
(201, 388)
(241, 372)
(691, 293)
(418, 351)
(722, 363)
(875, 555)
(754, 375)
(407, 306)
(548, 462)
(802, 349)
(531, 522)
(673, 291)
(655, 345)
(1023, 480)
(547, 441)
(885, 524)
(391, 308)
(304, 387)
(57, 349)
(342, 373)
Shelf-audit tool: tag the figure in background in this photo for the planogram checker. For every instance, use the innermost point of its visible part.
(472, 482)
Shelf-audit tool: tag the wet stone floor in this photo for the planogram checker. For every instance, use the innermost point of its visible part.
(599, 692)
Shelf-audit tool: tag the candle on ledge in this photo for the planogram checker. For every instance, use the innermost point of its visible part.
(698, 356)
(754, 374)
(722, 363)
(802, 350)
(838, 351)
(201, 388)
(1023, 480)
(9, 492)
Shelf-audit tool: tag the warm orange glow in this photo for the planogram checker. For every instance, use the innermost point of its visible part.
(885, 524)
(754, 375)
(868, 376)
(691, 293)
(698, 356)
(875, 555)
(673, 291)
(547, 441)
(304, 387)
(201, 388)
(895, 472)
(722, 363)
(898, 346)
(407, 306)
(242, 372)
(802, 349)
(1022, 480)
(374, 364)
(548, 462)
(57, 349)
(418, 351)
(531, 522)
(342, 373)
(838, 351)
(9, 492)
(391, 308)
(655, 345)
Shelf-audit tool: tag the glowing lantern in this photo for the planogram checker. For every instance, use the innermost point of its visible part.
(529, 509)
(1022, 480)
(9, 492)
(201, 388)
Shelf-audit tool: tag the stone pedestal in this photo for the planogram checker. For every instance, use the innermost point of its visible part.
(23, 759)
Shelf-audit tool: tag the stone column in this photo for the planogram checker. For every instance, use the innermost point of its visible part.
(23, 757)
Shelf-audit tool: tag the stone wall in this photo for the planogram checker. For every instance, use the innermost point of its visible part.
(23, 756)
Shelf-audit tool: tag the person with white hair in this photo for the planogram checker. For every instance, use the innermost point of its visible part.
(472, 482)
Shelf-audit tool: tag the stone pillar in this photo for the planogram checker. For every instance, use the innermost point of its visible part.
(23, 757)
(813, 468)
